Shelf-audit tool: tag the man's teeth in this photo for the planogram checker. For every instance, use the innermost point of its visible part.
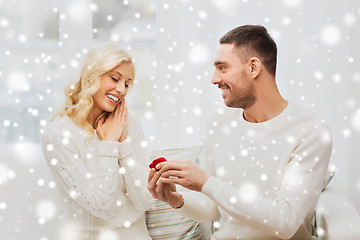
(112, 97)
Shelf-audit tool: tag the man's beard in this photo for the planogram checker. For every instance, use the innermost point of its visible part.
(244, 97)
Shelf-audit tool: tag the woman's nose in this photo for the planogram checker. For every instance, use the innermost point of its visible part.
(120, 88)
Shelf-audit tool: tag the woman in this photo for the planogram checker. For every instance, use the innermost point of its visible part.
(93, 148)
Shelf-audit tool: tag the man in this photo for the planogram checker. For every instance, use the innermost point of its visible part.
(264, 163)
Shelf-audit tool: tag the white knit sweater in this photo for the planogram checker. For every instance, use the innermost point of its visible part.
(266, 178)
(103, 183)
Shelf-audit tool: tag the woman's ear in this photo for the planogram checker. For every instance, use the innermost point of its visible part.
(254, 67)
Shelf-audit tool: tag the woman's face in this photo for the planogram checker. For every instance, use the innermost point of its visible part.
(113, 88)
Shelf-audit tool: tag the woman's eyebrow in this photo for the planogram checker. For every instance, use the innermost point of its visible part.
(116, 72)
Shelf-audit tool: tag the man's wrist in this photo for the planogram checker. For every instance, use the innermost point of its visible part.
(206, 178)
(178, 203)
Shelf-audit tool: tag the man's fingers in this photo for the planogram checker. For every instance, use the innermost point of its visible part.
(169, 165)
(172, 173)
(163, 180)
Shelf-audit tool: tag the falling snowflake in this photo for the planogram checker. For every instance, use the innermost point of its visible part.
(198, 54)
(355, 120)
(46, 209)
(291, 3)
(331, 35)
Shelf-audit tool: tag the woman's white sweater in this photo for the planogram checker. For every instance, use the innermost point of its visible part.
(102, 183)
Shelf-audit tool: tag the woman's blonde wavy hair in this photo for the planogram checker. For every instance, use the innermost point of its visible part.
(78, 95)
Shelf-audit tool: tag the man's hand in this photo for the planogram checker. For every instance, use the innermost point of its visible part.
(182, 172)
(164, 191)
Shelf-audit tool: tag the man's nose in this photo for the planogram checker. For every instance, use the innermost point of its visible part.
(215, 79)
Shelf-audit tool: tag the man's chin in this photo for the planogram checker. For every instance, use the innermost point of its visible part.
(232, 104)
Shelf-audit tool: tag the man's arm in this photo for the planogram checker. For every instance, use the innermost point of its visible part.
(191, 204)
(280, 216)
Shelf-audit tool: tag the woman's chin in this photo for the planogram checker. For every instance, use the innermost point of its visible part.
(109, 109)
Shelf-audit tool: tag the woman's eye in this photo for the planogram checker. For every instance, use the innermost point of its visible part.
(115, 79)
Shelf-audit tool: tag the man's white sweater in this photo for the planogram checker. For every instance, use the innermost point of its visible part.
(266, 177)
(102, 183)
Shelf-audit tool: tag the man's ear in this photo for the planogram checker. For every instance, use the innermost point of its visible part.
(255, 66)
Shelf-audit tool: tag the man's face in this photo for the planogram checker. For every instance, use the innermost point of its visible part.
(232, 77)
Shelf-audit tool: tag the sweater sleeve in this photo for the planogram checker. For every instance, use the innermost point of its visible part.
(134, 161)
(299, 191)
(94, 191)
(197, 206)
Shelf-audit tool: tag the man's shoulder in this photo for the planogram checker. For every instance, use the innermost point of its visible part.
(304, 114)
(308, 122)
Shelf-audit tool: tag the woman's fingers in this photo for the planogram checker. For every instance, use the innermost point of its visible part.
(160, 191)
(115, 126)
(123, 124)
(151, 174)
(152, 180)
(100, 122)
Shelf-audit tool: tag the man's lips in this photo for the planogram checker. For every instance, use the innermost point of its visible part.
(224, 88)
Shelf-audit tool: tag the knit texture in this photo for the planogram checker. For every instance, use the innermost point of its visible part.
(103, 183)
(266, 178)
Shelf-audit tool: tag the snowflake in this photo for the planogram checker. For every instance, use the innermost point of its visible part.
(198, 54)
(331, 35)
(292, 3)
(46, 209)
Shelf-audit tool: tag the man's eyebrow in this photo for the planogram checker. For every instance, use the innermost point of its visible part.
(219, 63)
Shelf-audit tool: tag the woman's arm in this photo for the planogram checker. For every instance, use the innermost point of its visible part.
(135, 166)
(94, 191)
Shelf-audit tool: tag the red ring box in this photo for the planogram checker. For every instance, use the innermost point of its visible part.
(156, 162)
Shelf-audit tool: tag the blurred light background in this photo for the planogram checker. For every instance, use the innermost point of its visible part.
(173, 43)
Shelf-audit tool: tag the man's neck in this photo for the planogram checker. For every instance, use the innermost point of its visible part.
(265, 109)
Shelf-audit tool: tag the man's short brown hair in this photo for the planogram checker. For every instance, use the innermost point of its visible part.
(255, 39)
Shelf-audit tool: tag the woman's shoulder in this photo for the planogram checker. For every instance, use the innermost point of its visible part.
(133, 120)
(134, 126)
(60, 127)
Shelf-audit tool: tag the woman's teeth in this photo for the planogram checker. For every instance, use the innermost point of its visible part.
(112, 97)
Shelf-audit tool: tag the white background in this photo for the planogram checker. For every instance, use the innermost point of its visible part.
(173, 43)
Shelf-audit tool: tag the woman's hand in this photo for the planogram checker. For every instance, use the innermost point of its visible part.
(114, 128)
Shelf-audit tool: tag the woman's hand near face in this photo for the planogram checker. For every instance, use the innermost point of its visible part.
(116, 124)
